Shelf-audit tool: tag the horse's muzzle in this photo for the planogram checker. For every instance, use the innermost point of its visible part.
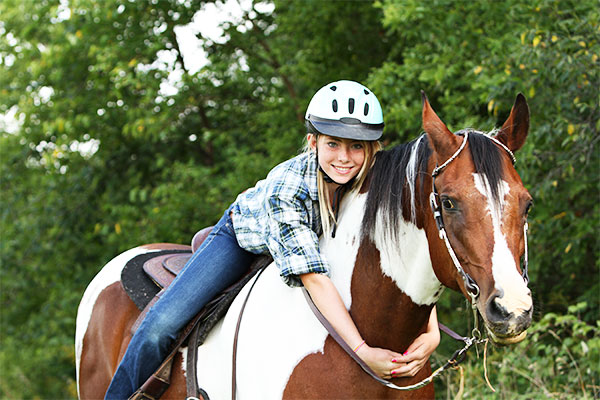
(506, 326)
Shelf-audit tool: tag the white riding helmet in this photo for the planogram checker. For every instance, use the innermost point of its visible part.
(345, 109)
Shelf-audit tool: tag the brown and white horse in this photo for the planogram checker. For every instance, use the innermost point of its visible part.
(387, 261)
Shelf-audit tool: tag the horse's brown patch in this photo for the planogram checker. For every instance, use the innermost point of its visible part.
(106, 340)
(379, 310)
(379, 306)
(178, 389)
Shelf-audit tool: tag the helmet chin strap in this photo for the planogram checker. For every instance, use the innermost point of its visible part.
(326, 177)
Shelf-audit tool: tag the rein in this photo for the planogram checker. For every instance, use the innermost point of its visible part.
(457, 357)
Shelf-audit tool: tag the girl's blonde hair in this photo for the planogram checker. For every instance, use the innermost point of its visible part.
(325, 207)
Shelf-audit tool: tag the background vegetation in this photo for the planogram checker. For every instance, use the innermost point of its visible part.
(105, 156)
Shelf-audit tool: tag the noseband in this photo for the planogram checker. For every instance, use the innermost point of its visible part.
(470, 284)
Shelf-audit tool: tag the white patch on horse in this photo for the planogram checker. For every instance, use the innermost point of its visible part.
(340, 252)
(278, 329)
(516, 296)
(408, 262)
(108, 275)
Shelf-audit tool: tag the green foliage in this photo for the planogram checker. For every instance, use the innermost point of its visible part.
(164, 166)
(472, 58)
(104, 159)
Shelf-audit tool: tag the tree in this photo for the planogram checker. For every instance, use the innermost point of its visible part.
(104, 160)
(472, 58)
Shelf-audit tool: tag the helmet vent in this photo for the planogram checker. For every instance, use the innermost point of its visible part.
(366, 91)
(334, 88)
(366, 109)
(350, 105)
(334, 105)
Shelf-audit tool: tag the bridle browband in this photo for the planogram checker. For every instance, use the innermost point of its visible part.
(469, 283)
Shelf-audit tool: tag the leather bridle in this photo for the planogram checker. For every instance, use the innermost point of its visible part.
(470, 285)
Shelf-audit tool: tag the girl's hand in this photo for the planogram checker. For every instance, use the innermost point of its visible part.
(416, 355)
(379, 360)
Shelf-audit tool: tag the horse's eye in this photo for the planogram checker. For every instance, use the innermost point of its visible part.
(528, 208)
(448, 204)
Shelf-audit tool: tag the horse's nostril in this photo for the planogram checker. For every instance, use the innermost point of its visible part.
(495, 311)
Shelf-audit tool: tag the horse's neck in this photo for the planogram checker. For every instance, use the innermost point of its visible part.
(341, 251)
(386, 285)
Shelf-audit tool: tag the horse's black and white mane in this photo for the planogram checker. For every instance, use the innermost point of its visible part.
(397, 173)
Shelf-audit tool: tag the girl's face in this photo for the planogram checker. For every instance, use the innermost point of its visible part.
(341, 159)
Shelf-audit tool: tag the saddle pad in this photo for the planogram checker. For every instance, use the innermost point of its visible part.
(138, 286)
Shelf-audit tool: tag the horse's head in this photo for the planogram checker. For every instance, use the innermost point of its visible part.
(483, 208)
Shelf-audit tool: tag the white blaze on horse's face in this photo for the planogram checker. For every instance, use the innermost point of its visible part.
(515, 295)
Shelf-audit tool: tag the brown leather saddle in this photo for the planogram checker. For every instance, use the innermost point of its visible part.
(161, 268)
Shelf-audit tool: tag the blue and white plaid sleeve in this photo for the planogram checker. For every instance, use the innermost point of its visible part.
(292, 243)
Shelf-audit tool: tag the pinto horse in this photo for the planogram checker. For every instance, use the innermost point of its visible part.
(387, 261)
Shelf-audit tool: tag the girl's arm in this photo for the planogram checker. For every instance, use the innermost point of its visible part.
(329, 302)
(420, 349)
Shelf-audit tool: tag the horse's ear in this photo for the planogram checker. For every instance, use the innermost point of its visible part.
(443, 141)
(514, 131)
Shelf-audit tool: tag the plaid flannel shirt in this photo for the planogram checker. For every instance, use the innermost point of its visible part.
(280, 216)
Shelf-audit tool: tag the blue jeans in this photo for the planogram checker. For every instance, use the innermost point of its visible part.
(218, 263)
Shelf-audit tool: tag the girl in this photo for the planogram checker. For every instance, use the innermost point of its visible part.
(283, 215)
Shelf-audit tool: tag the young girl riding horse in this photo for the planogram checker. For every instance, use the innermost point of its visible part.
(283, 215)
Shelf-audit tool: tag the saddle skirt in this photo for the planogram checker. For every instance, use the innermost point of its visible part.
(163, 269)
(145, 275)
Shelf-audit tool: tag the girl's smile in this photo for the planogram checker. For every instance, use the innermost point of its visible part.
(341, 159)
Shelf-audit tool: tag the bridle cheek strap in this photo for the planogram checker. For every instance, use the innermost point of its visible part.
(469, 283)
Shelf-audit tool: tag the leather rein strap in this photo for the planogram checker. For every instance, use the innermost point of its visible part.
(236, 335)
(456, 358)
(159, 382)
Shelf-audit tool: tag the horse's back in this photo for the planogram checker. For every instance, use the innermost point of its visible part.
(277, 331)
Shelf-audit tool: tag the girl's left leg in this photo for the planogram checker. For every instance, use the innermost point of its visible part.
(218, 263)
